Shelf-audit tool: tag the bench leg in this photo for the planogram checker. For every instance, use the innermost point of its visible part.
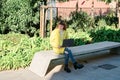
(115, 50)
(39, 65)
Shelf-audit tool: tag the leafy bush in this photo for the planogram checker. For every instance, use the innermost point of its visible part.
(109, 19)
(105, 34)
(79, 37)
(80, 20)
(19, 16)
(17, 50)
(101, 23)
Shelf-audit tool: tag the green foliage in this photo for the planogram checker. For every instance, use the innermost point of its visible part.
(110, 19)
(17, 50)
(105, 34)
(101, 23)
(19, 16)
(79, 37)
(80, 20)
(107, 1)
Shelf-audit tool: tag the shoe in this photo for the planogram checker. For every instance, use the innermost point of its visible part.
(78, 66)
(67, 69)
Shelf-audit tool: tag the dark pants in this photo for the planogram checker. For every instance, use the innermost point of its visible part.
(68, 54)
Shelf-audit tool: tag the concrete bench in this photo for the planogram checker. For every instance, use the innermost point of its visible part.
(42, 59)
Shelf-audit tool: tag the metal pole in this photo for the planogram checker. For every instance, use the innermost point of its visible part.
(51, 20)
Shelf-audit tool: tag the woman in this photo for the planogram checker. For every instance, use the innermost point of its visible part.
(56, 40)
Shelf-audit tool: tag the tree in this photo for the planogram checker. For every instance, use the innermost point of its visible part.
(118, 8)
(19, 16)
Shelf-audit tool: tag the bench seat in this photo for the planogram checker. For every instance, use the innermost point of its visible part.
(42, 59)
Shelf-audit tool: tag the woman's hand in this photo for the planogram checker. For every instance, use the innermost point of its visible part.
(60, 47)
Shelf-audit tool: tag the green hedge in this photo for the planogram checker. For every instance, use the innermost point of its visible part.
(105, 34)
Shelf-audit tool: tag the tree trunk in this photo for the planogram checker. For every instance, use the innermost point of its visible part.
(118, 12)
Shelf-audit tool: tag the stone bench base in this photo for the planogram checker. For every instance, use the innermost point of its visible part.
(42, 59)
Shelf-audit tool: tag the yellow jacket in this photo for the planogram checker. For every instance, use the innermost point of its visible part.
(56, 40)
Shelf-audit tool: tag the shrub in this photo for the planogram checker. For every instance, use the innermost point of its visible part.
(109, 19)
(79, 37)
(80, 20)
(19, 16)
(17, 50)
(105, 34)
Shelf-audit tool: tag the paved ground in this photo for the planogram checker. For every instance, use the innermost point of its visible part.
(101, 67)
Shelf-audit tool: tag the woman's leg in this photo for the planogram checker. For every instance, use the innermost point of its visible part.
(76, 65)
(66, 58)
(66, 68)
(69, 54)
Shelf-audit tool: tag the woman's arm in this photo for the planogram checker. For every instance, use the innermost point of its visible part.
(54, 39)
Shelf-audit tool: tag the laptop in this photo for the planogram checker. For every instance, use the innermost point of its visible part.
(68, 43)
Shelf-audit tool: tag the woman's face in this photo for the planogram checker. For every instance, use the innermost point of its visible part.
(60, 27)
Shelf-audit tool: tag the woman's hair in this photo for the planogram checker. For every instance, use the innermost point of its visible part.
(61, 23)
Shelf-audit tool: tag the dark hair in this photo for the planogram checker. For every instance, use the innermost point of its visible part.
(62, 23)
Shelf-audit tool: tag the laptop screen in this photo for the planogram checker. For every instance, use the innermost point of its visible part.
(68, 43)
